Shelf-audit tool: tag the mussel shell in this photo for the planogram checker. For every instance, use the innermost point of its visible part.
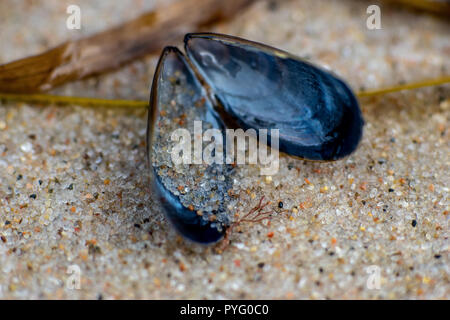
(261, 87)
(175, 91)
(247, 85)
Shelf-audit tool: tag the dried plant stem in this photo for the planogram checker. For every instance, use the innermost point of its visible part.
(433, 6)
(114, 47)
(65, 100)
(96, 102)
(406, 86)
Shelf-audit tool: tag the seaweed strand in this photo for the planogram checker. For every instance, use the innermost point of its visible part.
(117, 103)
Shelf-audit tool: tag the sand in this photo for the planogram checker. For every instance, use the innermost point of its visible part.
(75, 195)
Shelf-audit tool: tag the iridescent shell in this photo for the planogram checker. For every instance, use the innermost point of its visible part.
(227, 82)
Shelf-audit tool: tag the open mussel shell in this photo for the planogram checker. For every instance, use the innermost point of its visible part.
(261, 87)
(223, 82)
(193, 196)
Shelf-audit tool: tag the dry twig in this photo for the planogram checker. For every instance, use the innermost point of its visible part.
(98, 102)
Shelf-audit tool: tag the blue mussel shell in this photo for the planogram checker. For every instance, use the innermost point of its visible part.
(243, 84)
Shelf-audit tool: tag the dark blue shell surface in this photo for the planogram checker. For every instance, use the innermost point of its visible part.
(264, 88)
